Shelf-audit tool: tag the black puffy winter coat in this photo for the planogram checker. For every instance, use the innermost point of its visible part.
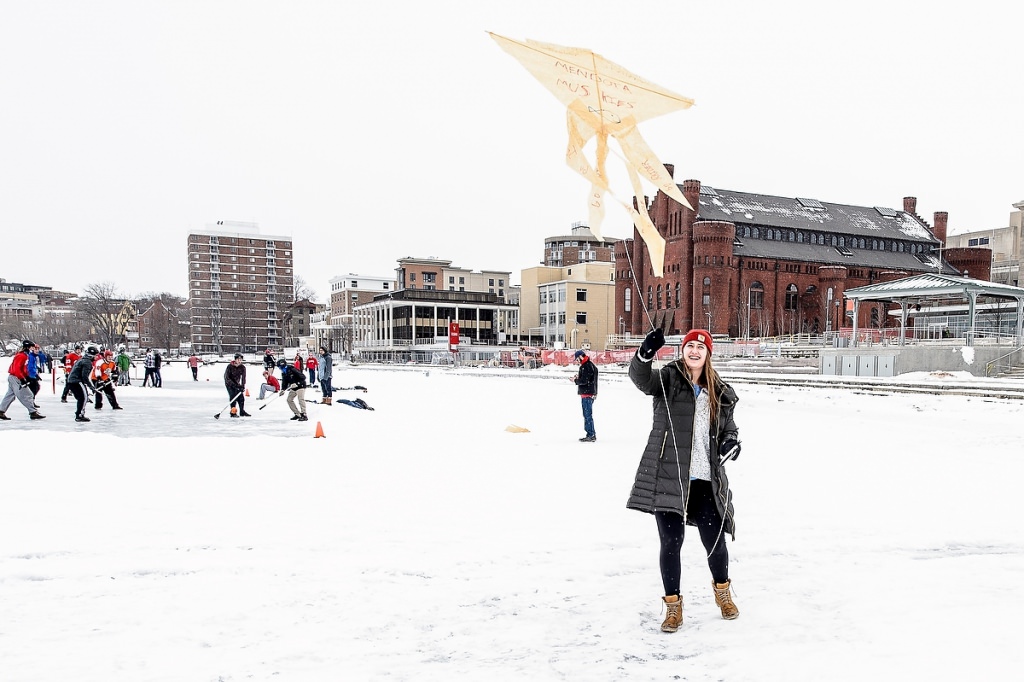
(663, 477)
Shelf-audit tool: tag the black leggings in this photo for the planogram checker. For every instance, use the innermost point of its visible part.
(701, 510)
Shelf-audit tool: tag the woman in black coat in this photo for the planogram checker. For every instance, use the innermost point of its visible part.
(681, 479)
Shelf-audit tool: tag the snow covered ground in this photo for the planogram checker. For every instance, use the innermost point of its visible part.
(878, 537)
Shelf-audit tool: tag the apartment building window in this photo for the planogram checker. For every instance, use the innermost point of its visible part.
(581, 317)
(501, 282)
(581, 295)
(462, 280)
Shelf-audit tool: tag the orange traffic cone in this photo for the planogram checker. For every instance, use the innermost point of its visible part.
(319, 431)
(246, 393)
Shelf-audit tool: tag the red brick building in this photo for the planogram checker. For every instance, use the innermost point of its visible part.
(747, 264)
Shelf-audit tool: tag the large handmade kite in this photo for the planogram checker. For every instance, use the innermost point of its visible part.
(603, 99)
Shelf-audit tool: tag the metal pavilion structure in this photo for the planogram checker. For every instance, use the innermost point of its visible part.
(910, 292)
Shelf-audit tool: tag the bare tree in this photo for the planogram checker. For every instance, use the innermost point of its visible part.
(303, 290)
(103, 308)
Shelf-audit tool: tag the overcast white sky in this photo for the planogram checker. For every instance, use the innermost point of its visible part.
(373, 131)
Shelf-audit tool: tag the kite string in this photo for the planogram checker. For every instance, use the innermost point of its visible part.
(664, 394)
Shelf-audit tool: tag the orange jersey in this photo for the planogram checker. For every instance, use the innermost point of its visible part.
(102, 369)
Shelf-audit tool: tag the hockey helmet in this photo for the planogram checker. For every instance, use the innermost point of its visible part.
(91, 350)
(282, 363)
(108, 353)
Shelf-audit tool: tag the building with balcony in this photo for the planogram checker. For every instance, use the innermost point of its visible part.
(241, 284)
(579, 246)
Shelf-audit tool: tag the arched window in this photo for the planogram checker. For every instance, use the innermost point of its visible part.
(677, 294)
(706, 293)
(627, 300)
(800, 237)
(650, 296)
(756, 296)
(659, 298)
(791, 296)
(755, 233)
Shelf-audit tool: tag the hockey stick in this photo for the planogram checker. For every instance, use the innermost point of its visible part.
(277, 395)
(237, 396)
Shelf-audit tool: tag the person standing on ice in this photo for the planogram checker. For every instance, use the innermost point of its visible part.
(69, 360)
(148, 364)
(103, 379)
(586, 387)
(234, 382)
(18, 384)
(681, 479)
(193, 364)
(311, 364)
(294, 382)
(326, 374)
(124, 363)
(269, 362)
(79, 381)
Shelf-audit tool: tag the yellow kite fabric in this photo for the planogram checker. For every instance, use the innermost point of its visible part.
(603, 99)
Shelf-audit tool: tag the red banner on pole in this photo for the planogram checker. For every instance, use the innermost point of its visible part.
(453, 336)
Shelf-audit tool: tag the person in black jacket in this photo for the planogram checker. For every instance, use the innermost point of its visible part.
(80, 380)
(234, 382)
(293, 381)
(586, 387)
(681, 478)
(269, 362)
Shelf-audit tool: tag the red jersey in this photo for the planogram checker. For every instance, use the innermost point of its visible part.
(69, 361)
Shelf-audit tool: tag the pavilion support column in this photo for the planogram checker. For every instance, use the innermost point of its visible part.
(903, 322)
(856, 316)
(1020, 321)
(972, 301)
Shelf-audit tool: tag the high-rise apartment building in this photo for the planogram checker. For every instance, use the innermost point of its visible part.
(241, 284)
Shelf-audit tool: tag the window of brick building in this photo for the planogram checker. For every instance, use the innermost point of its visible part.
(791, 296)
(756, 296)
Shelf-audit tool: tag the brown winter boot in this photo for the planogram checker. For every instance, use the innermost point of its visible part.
(325, 401)
(673, 613)
(724, 599)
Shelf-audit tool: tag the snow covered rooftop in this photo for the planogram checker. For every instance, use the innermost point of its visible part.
(810, 214)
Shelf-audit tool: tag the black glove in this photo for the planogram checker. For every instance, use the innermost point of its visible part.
(652, 343)
(729, 450)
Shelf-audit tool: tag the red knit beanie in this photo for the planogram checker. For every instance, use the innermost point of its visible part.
(701, 335)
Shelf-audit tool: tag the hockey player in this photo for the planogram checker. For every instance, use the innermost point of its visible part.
(103, 379)
(79, 381)
(69, 360)
(18, 384)
(234, 382)
(294, 383)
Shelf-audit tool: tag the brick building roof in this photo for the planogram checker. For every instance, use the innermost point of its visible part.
(809, 215)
